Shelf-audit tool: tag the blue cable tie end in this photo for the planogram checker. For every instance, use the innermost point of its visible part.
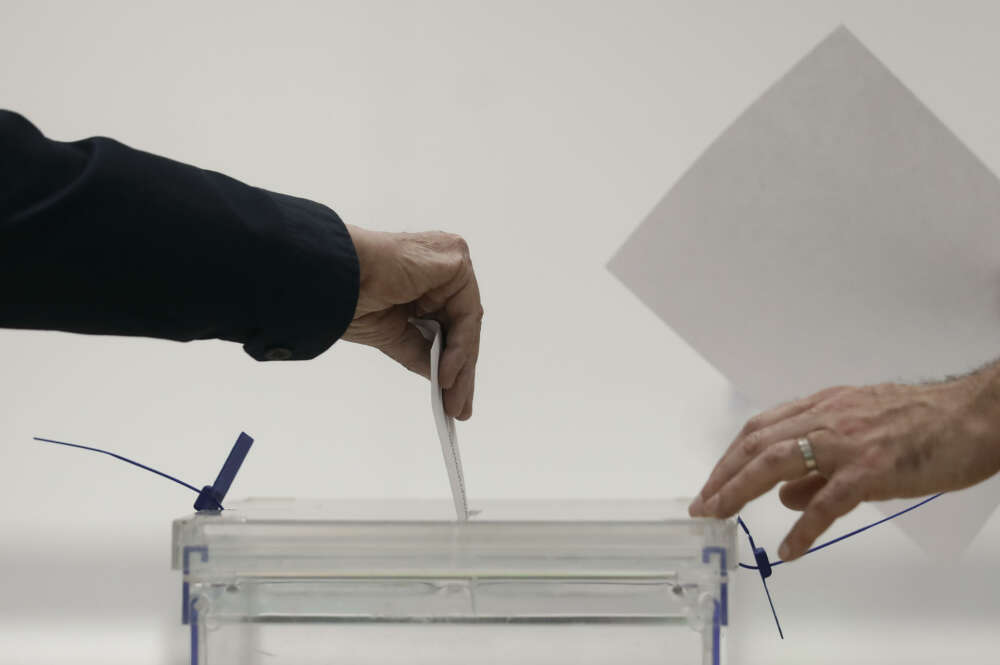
(210, 497)
(207, 500)
(763, 563)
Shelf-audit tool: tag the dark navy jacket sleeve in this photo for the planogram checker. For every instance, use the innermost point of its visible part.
(96, 237)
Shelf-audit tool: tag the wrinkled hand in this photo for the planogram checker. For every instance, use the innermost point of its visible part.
(430, 275)
(870, 444)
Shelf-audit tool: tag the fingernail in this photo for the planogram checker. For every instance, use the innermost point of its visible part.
(784, 551)
(696, 507)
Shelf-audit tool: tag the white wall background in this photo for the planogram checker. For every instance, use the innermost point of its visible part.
(542, 132)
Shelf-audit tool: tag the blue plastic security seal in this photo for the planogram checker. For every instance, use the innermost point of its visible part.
(763, 563)
(210, 497)
(764, 568)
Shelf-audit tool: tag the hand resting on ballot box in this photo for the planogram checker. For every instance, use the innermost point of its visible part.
(846, 445)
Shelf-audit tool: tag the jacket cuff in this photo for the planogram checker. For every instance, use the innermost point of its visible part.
(309, 300)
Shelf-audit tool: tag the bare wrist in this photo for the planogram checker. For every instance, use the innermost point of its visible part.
(359, 237)
(982, 413)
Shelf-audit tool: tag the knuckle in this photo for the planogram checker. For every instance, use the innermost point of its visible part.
(773, 456)
(838, 498)
(753, 424)
(752, 442)
(862, 475)
(848, 425)
(711, 485)
(730, 501)
(822, 509)
(822, 437)
(852, 395)
(460, 244)
(816, 410)
(830, 396)
(840, 492)
(875, 460)
(824, 408)
(878, 457)
(722, 499)
(864, 482)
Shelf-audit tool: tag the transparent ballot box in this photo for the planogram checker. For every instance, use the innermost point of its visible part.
(529, 583)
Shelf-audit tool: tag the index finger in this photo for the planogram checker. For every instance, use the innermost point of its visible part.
(779, 462)
(736, 454)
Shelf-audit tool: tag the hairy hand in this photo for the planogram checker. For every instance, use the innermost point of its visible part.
(426, 275)
(871, 443)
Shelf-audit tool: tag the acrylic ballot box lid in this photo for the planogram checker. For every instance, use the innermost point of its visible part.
(258, 537)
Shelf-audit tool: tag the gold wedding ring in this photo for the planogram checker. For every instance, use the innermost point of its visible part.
(807, 454)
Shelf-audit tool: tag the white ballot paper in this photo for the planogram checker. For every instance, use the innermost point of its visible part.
(431, 330)
(836, 233)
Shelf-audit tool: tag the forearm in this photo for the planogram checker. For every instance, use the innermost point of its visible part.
(96, 237)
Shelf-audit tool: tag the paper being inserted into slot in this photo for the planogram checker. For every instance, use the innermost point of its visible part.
(431, 330)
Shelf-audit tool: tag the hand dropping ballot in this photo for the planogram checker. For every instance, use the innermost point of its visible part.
(431, 330)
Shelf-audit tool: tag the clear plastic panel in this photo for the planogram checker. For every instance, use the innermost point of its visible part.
(581, 582)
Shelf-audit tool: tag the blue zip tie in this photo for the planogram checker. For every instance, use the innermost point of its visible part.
(210, 496)
(122, 458)
(764, 565)
(764, 568)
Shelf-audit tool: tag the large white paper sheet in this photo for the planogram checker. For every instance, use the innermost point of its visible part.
(836, 233)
